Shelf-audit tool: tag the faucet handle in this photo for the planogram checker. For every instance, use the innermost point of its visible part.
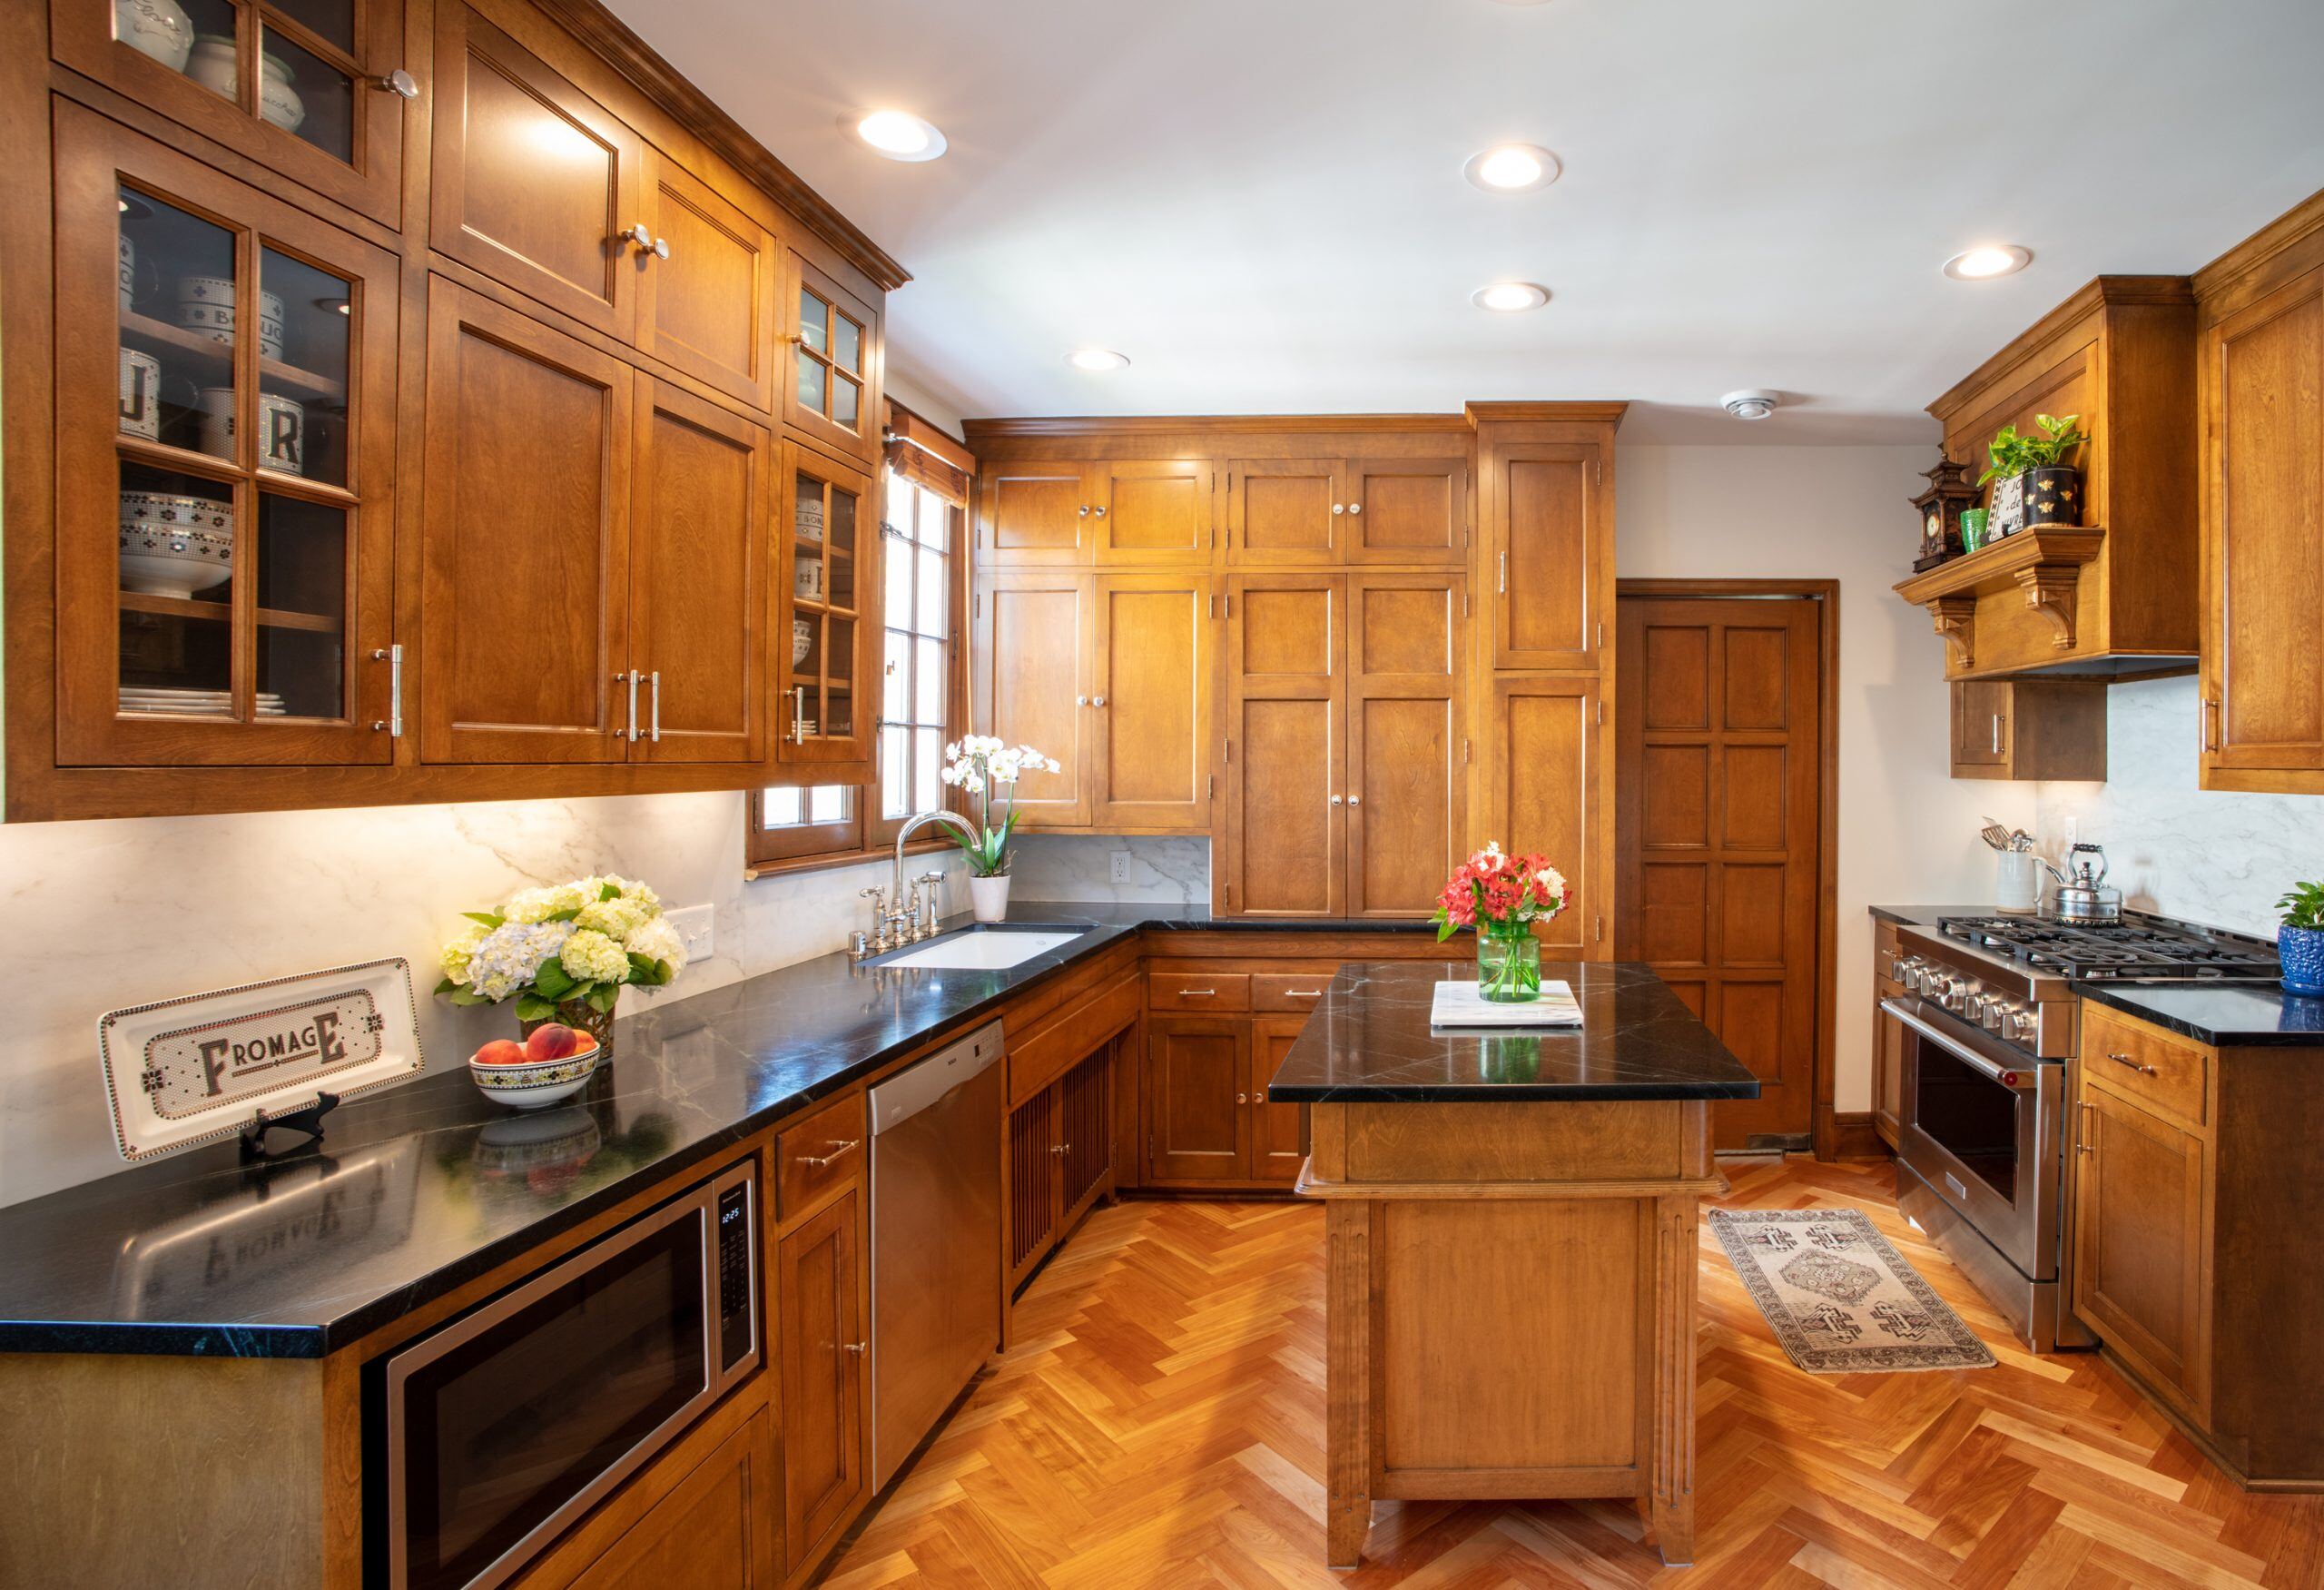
(878, 892)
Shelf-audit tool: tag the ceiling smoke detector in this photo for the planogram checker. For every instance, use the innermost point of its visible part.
(1751, 405)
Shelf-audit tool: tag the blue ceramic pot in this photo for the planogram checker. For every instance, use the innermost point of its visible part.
(2302, 951)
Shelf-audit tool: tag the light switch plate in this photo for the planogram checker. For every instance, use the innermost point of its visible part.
(694, 924)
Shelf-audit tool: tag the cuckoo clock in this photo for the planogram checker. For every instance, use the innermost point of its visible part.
(1950, 489)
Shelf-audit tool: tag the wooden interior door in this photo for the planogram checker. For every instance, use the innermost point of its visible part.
(1034, 634)
(1152, 510)
(2263, 379)
(531, 180)
(1034, 512)
(822, 1341)
(1408, 510)
(1279, 1141)
(1544, 796)
(1719, 764)
(1407, 719)
(1283, 511)
(706, 303)
(2140, 1242)
(1551, 557)
(1197, 1112)
(1286, 799)
(699, 554)
(1153, 681)
(525, 545)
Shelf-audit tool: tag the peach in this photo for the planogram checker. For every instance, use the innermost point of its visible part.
(501, 1051)
(551, 1040)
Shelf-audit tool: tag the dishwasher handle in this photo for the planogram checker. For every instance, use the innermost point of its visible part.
(916, 1087)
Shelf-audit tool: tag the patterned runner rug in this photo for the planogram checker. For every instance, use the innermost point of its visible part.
(1841, 1300)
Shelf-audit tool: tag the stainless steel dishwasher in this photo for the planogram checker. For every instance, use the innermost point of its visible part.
(935, 1239)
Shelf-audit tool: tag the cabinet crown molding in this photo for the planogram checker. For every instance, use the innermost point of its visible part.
(2099, 292)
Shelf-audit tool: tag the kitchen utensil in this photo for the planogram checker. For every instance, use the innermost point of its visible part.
(2083, 895)
(1995, 834)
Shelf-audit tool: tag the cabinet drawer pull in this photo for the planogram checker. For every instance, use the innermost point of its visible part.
(1303, 993)
(393, 657)
(654, 712)
(1197, 994)
(2144, 1071)
(820, 1161)
(2085, 1141)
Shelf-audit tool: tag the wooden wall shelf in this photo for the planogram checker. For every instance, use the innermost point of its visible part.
(2047, 565)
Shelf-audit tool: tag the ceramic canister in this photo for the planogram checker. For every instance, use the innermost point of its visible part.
(141, 394)
(283, 429)
(128, 273)
(206, 304)
(159, 28)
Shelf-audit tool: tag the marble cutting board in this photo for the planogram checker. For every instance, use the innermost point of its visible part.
(1458, 1005)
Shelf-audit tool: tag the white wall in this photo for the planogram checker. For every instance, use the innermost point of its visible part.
(1908, 830)
(103, 915)
(2211, 857)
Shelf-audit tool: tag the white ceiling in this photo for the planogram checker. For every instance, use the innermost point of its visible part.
(1260, 202)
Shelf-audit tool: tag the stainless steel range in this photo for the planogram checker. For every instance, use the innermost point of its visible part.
(1991, 1020)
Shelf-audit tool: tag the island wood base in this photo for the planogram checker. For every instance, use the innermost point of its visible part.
(1511, 1305)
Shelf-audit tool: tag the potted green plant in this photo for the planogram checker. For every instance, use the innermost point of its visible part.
(2034, 485)
(2299, 942)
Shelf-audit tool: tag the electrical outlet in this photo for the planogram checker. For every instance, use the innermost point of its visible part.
(1122, 866)
(694, 926)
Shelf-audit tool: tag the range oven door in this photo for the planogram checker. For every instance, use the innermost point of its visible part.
(504, 1426)
(1980, 1127)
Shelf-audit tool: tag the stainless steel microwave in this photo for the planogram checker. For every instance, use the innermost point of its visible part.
(504, 1425)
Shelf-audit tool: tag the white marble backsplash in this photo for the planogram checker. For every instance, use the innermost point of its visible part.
(103, 915)
(2208, 857)
(1165, 870)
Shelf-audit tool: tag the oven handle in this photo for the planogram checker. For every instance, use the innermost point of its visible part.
(1991, 1070)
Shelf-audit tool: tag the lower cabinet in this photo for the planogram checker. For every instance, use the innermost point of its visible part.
(1887, 1040)
(1060, 1154)
(1208, 1121)
(705, 1513)
(2139, 1236)
(1278, 1131)
(820, 1338)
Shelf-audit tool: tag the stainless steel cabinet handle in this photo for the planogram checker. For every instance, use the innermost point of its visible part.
(1197, 994)
(2207, 723)
(398, 82)
(622, 730)
(820, 1161)
(798, 715)
(1502, 587)
(1997, 734)
(633, 703)
(2144, 1071)
(654, 707)
(2085, 1141)
(393, 657)
(1060, 1147)
(1303, 993)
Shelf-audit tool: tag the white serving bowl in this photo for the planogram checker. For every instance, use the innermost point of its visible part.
(537, 1083)
(174, 546)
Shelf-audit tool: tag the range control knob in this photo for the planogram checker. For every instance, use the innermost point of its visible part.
(1994, 1015)
(1957, 995)
(1904, 968)
(2023, 1026)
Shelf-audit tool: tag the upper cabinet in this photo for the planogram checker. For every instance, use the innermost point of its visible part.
(827, 612)
(708, 296)
(1547, 504)
(834, 392)
(1125, 511)
(2114, 590)
(316, 90)
(1289, 512)
(2261, 387)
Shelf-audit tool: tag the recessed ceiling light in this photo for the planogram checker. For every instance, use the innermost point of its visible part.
(1987, 261)
(900, 135)
(1509, 298)
(1098, 358)
(1512, 168)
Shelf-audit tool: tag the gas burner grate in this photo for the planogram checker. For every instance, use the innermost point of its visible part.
(2124, 950)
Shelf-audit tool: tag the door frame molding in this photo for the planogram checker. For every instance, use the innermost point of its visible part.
(1826, 593)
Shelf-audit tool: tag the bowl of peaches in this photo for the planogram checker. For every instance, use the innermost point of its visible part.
(553, 1064)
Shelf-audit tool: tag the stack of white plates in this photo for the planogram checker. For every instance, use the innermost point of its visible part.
(194, 703)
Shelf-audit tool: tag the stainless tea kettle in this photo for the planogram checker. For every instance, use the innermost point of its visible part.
(2083, 894)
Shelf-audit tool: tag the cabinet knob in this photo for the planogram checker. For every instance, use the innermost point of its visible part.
(1100, 511)
(1339, 800)
(855, 1346)
(1355, 508)
(1241, 1099)
(1097, 701)
(1356, 800)
(398, 82)
(1339, 508)
(1081, 701)
(1083, 511)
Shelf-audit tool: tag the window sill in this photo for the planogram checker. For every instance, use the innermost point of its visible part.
(783, 866)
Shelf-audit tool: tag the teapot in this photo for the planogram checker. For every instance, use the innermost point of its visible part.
(2083, 894)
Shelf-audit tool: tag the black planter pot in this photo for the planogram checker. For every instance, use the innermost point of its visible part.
(2053, 496)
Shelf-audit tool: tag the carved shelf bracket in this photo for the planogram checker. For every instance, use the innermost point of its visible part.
(2049, 590)
(1956, 621)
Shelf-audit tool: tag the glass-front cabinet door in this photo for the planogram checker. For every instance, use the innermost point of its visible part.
(315, 89)
(833, 393)
(830, 573)
(225, 436)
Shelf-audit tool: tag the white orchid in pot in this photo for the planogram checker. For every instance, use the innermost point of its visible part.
(982, 766)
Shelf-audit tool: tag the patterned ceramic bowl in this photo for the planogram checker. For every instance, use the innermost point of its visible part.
(537, 1084)
(174, 546)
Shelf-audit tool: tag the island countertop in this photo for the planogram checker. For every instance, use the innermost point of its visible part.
(1369, 1039)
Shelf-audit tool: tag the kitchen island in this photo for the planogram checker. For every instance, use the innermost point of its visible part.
(1510, 1239)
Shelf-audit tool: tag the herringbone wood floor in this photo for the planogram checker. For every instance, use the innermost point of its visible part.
(1160, 1423)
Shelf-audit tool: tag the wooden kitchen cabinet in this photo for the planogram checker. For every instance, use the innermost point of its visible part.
(1408, 511)
(1197, 1099)
(2139, 1236)
(1060, 1144)
(719, 1528)
(224, 559)
(2260, 390)
(827, 594)
(1549, 552)
(329, 123)
(708, 291)
(1097, 513)
(1284, 512)
(1034, 512)
(1546, 791)
(1279, 1132)
(819, 1336)
(1887, 1040)
(832, 392)
(1031, 633)
(2030, 729)
(1388, 509)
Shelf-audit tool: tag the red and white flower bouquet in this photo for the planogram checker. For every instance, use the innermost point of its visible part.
(1502, 896)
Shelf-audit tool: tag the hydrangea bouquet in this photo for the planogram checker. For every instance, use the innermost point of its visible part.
(1502, 896)
(564, 951)
(981, 764)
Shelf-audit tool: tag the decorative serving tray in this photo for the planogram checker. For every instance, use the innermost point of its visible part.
(203, 1066)
(1458, 1005)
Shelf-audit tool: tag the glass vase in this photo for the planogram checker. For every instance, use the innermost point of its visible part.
(583, 1017)
(1509, 965)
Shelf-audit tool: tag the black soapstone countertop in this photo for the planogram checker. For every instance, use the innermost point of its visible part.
(1369, 1039)
(2225, 1015)
(421, 1187)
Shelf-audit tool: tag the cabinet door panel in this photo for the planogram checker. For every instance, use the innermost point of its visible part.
(1552, 559)
(716, 1530)
(828, 592)
(1152, 702)
(832, 391)
(1545, 794)
(698, 559)
(1408, 510)
(708, 307)
(2264, 378)
(1980, 727)
(1152, 512)
(532, 181)
(2140, 1238)
(1407, 717)
(1287, 804)
(818, 1272)
(1032, 634)
(1283, 511)
(1197, 1111)
(1278, 1131)
(1035, 513)
(525, 593)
